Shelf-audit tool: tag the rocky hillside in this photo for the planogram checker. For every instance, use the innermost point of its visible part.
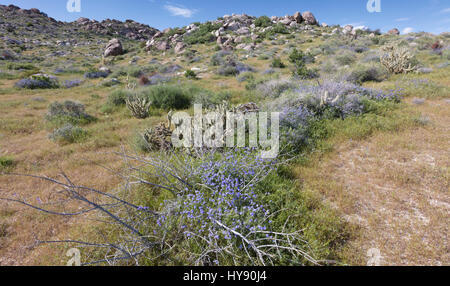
(17, 23)
(30, 28)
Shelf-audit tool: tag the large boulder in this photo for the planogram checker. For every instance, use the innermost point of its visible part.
(163, 46)
(309, 18)
(394, 31)
(298, 17)
(114, 48)
(179, 47)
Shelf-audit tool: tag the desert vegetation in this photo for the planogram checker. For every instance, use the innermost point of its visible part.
(86, 157)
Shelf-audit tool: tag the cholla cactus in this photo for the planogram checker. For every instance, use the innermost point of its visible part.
(138, 106)
(397, 60)
(130, 85)
(158, 138)
(326, 100)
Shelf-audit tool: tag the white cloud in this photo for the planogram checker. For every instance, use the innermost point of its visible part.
(446, 10)
(363, 28)
(402, 19)
(180, 11)
(408, 30)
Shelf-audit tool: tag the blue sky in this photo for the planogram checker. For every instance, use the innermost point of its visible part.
(406, 15)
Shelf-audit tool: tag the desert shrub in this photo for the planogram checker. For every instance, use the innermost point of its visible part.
(280, 29)
(299, 59)
(38, 81)
(329, 67)
(274, 88)
(263, 22)
(6, 163)
(231, 67)
(371, 57)
(68, 134)
(68, 112)
(210, 99)
(398, 60)
(294, 124)
(203, 34)
(331, 99)
(277, 63)
(190, 74)
(93, 74)
(168, 96)
(228, 64)
(364, 73)
(118, 97)
(135, 71)
(346, 58)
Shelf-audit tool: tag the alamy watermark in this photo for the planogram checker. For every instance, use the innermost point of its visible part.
(75, 255)
(73, 6)
(374, 6)
(227, 129)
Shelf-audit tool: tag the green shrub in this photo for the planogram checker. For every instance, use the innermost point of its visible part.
(346, 59)
(68, 112)
(299, 59)
(68, 134)
(280, 29)
(6, 163)
(168, 96)
(118, 97)
(263, 22)
(277, 63)
(203, 34)
(190, 74)
(364, 73)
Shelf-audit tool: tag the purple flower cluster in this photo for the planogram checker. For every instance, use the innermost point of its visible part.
(72, 83)
(96, 74)
(225, 191)
(37, 82)
(294, 122)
